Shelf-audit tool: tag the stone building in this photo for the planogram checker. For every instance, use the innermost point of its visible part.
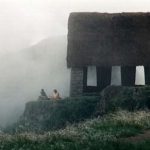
(104, 40)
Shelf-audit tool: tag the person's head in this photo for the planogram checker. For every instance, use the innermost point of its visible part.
(55, 91)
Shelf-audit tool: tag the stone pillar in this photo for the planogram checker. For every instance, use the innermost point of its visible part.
(103, 77)
(128, 75)
(147, 75)
(76, 83)
(84, 78)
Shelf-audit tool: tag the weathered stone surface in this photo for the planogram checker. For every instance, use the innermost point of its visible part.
(76, 83)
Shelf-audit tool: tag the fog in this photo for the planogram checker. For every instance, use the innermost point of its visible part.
(33, 45)
(25, 73)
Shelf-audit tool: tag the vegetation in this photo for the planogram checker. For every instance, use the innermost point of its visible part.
(126, 98)
(122, 112)
(47, 115)
(102, 133)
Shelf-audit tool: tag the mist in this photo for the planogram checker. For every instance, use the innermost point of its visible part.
(25, 73)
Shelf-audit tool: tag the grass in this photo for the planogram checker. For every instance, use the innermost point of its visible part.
(52, 115)
(93, 134)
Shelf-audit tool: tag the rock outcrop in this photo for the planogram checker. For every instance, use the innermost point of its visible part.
(54, 114)
(44, 115)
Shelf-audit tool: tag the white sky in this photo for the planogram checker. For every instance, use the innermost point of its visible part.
(25, 22)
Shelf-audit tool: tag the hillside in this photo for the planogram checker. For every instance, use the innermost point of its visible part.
(109, 132)
(119, 118)
(45, 115)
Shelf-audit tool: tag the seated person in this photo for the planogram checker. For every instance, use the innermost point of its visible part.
(55, 95)
(43, 95)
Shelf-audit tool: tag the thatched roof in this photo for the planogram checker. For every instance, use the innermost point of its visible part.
(108, 39)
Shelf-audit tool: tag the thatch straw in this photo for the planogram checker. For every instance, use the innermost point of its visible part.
(103, 39)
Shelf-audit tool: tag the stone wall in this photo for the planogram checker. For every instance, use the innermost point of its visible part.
(76, 83)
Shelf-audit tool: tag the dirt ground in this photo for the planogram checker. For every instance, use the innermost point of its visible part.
(138, 138)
